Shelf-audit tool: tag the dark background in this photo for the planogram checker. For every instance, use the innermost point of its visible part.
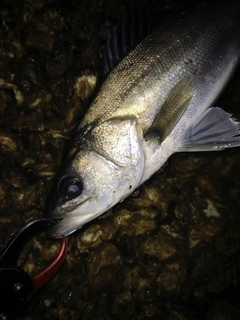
(170, 250)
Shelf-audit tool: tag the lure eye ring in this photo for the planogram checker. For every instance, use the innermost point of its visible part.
(69, 187)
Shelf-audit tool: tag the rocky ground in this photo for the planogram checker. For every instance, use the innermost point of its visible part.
(170, 250)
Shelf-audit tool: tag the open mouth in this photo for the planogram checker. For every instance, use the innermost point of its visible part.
(66, 210)
(68, 225)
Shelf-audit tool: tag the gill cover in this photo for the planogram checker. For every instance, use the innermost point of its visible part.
(107, 169)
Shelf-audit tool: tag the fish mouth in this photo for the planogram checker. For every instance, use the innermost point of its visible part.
(68, 225)
(69, 222)
(59, 212)
(68, 219)
(59, 230)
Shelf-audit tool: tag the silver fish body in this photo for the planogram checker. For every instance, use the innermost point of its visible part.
(156, 102)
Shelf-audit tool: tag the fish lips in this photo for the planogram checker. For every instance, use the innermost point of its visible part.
(56, 210)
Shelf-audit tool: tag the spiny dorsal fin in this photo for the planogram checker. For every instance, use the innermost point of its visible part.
(120, 38)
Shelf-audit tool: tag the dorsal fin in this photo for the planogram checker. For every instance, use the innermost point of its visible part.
(131, 28)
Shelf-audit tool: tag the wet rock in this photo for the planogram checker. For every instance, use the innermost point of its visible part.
(9, 144)
(168, 251)
(190, 163)
(158, 247)
(171, 277)
(94, 236)
(106, 255)
(85, 85)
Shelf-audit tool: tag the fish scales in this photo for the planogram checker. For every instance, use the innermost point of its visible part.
(160, 61)
(155, 102)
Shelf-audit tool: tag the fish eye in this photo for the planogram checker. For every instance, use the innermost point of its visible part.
(70, 187)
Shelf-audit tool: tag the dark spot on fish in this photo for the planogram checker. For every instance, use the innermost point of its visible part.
(195, 71)
(130, 187)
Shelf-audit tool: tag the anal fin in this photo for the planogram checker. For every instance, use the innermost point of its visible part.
(214, 131)
(171, 111)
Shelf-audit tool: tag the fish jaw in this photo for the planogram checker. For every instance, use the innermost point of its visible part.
(78, 217)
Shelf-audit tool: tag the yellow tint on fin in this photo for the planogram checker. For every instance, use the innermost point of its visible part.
(171, 111)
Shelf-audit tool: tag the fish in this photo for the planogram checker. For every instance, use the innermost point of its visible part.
(158, 100)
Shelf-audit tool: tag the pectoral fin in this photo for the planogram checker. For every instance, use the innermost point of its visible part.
(171, 111)
(214, 131)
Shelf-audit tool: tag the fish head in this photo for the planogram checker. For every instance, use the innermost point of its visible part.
(83, 192)
(96, 179)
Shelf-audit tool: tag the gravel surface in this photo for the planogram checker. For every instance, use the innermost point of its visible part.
(170, 250)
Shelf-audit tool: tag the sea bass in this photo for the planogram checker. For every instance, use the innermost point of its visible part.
(156, 101)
